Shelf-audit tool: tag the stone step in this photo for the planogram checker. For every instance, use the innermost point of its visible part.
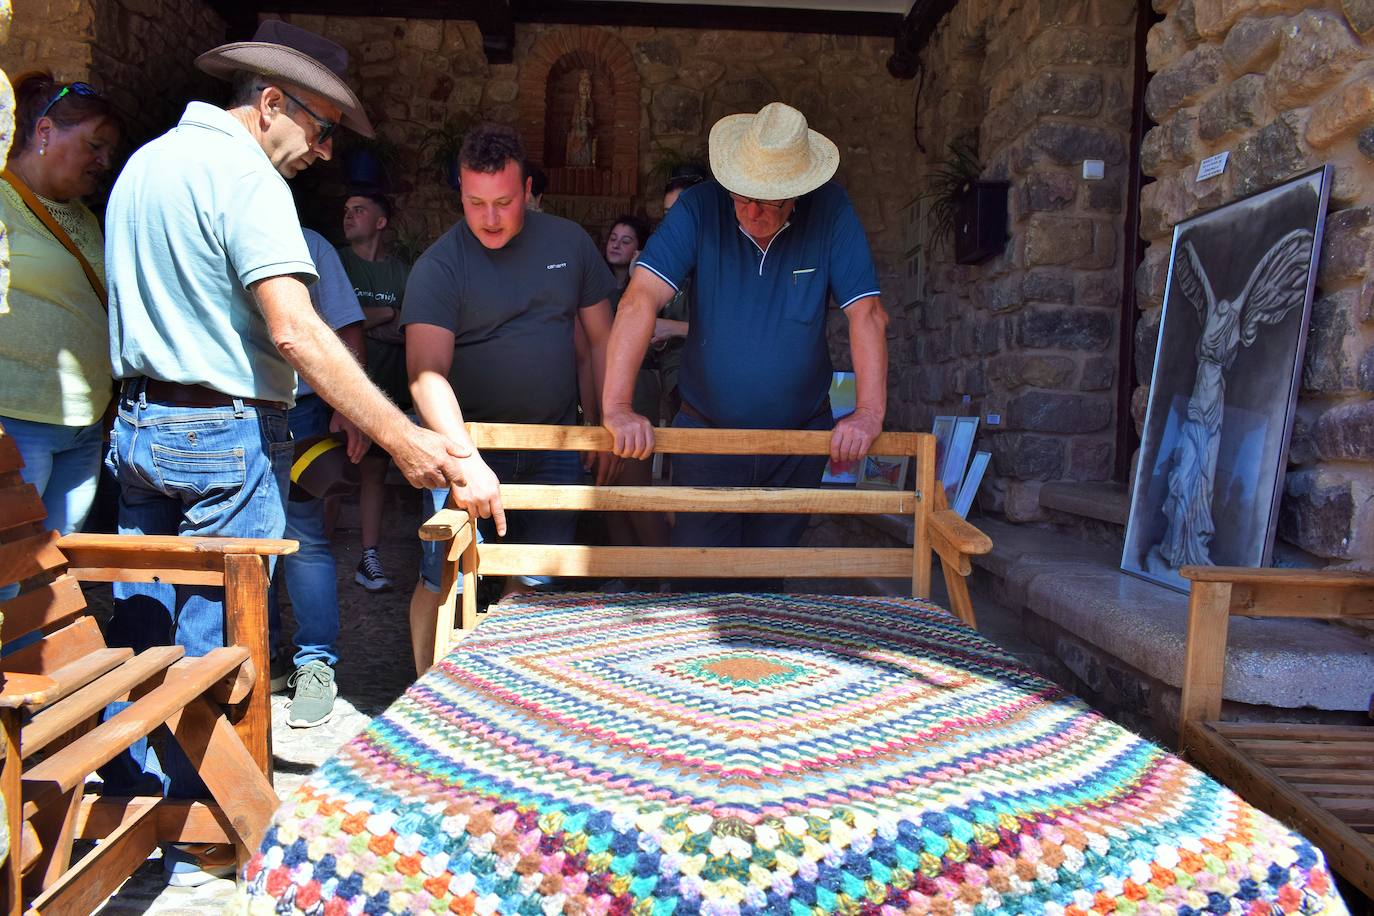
(1284, 663)
(1105, 502)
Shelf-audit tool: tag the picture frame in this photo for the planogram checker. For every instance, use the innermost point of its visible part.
(1223, 393)
(968, 490)
(844, 394)
(957, 458)
(883, 472)
(943, 430)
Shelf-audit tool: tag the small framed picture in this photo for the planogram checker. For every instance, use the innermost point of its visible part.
(843, 398)
(883, 472)
(943, 430)
(956, 458)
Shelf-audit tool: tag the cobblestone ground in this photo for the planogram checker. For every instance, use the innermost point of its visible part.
(375, 667)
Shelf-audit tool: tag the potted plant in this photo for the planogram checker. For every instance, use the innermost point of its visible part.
(962, 203)
(441, 144)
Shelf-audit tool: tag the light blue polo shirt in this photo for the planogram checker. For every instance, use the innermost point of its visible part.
(756, 355)
(196, 217)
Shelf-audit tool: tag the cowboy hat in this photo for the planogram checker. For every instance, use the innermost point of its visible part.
(301, 58)
(771, 155)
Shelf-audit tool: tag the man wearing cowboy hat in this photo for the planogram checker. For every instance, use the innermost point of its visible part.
(210, 320)
(768, 243)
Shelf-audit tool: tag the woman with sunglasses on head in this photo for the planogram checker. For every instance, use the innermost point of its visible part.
(54, 332)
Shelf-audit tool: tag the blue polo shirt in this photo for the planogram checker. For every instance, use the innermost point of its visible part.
(756, 355)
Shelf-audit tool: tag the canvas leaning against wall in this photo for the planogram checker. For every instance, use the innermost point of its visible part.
(1225, 383)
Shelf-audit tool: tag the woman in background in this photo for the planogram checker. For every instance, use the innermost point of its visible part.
(54, 331)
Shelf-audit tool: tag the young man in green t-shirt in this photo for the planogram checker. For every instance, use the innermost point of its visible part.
(379, 281)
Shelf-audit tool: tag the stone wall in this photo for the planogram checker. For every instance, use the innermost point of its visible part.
(1284, 85)
(137, 52)
(413, 73)
(1032, 89)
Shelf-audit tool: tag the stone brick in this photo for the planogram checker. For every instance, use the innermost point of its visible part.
(1215, 17)
(1345, 246)
(1164, 44)
(1098, 289)
(749, 93)
(1105, 196)
(1365, 374)
(1341, 112)
(1365, 143)
(1057, 239)
(1183, 81)
(502, 91)
(1173, 142)
(676, 110)
(1252, 43)
(372, 52)
(1058, 412)
(1140, 402)
(1014, 370)
(426, 35)
(1099, 374)
(1047, 191)
(1090, 460)
(1047, 286)
(1070, 144)
(1079, 47)
(700, 72)
(1026, 457)
(1360, 15)
(1070, 94)
(1317, 50)
(1242, 105)
(1022, 501)
(1318, 514)
(1065, 328)
(1327, 368)
(1346, 432)
(1272, 154)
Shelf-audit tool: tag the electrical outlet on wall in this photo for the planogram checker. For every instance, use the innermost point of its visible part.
(994, 419)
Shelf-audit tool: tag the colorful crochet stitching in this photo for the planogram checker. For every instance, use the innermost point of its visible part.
(751, 754)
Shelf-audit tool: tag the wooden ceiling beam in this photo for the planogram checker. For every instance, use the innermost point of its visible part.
(497, 18)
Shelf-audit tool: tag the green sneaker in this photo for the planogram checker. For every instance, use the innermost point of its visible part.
(313, 702)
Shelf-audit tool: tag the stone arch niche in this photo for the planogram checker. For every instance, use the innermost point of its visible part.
(548, 95)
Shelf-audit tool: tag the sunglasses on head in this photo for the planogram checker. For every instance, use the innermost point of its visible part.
(767, 204)
(325, 125)
(69, 89)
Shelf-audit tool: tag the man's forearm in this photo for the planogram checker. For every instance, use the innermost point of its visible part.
(321, 358)
(624, 353)
(438, 407)
(868, 350)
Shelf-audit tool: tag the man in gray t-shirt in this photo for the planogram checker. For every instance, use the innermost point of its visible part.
(489, 315)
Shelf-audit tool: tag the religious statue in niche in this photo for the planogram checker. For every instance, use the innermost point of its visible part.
(581, 146)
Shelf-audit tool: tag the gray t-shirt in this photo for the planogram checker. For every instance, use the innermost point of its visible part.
(511, 312)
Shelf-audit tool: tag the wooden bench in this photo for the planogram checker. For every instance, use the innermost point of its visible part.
(938, 530)
(55, 689)
(1315, 778)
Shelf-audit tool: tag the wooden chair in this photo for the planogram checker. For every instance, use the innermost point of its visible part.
(55, 689)
(938, 530)
(1316, 778)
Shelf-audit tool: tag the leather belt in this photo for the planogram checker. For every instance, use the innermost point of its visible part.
(179, 395)
(695, 414)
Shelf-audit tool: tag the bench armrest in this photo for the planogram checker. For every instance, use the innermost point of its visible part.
(444, 525)
(173, 544)
(961, 535)
(19, 691)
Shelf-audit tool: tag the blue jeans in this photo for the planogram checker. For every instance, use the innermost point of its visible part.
(63, 464)
(735, 529)
(205, 471)
(522, 527)
(309, 572)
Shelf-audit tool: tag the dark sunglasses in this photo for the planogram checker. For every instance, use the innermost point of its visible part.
(69, 89)
(325, 125)
(769, 204)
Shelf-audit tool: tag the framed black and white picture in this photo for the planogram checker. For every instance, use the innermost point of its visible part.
(1225, 382)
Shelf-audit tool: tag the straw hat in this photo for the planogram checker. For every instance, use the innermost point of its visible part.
(771, 155)
(301, 58)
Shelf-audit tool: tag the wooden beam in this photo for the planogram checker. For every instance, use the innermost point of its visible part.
(1204, 659)
(245, 624)
(690, 562)
(708, 16)
(178, 819)
(708, 499)
(672, 441)
(99, 873)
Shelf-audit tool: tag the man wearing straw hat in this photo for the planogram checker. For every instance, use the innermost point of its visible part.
(768, 243)
(210, 320)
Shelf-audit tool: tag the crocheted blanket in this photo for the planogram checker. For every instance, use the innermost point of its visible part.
(742, 754)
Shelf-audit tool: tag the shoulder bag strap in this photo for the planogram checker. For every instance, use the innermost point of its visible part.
(31, 200)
